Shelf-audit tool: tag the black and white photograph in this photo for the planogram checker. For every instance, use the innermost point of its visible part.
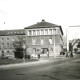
(39, 39)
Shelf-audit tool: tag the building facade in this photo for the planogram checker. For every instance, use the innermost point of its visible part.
(40, 38)
(7, 38)
(75, 45)
(44, 37)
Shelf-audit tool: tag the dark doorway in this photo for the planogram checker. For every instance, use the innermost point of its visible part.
(45, 50)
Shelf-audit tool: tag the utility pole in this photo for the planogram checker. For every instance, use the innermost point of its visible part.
(54, 42)
(67, 42)
(24, 47)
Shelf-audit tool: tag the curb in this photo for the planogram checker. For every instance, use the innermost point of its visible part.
(27, 64)
(41, 61)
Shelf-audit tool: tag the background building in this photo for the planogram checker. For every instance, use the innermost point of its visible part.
(7, 38)
(44, 37)
(75, 45)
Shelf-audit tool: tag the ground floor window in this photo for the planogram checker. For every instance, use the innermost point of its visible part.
(2, 51)
(7, 51)
(34, 49)
(2, 54)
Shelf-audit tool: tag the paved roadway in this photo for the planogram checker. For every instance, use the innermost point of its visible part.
(68, 69)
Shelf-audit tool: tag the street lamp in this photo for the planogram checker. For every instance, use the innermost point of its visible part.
(24, 47)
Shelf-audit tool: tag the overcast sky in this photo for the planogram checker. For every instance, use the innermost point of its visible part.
(17, 14)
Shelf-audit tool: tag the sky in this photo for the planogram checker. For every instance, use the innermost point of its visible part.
(17, 14)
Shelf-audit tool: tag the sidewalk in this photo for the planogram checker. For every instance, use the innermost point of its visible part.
(19, 65)
(27, 64)
(41, 61)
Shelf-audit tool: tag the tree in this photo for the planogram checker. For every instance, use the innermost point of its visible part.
(75, 50)
(19, 42)
(78, 46)
(18, 45)
(70, 47)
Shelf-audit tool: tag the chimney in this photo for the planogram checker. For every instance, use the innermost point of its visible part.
(43, 20)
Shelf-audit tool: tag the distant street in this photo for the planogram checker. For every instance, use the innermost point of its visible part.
(59, 70)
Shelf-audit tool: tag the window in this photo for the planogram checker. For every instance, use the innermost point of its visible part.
(33, 41)
(50, 31)
(29, 32)
(51, 49)
(46, 32)
(21, 31)
(34, 49)
(11, 32)
(2, 45)
(15, 32)
(50, 41)
(7, 38)
(8, 32)
(18, 32)
(54, 31)
(34, 32)
(38, 32)
(42, 41)
(7, 44)
(7, 51)
(2, 51)
(42, 32)
(12, 39)
(2, 39)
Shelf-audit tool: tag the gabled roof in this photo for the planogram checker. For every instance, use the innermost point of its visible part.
(75, 41)
(12, 32)
(43, 24)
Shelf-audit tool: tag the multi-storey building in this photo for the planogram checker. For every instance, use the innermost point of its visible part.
(7, 37)
(44, 37)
